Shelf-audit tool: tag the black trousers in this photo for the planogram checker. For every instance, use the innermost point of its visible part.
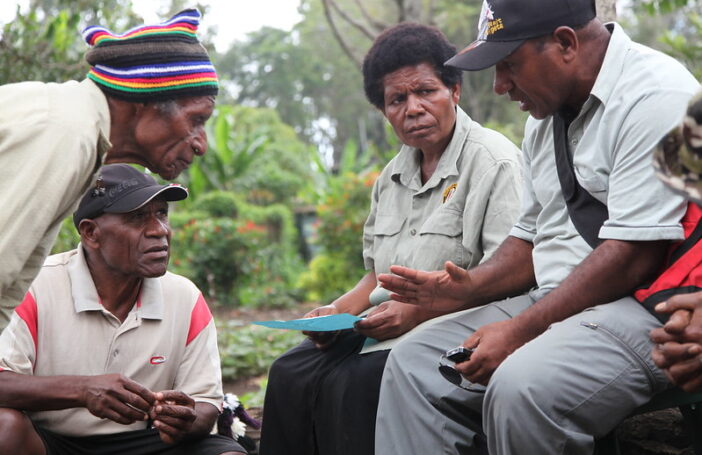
(140, 442)
(323, 402)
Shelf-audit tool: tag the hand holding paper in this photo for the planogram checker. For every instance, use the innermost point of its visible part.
(328, 323)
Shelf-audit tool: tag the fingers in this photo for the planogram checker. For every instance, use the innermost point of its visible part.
(172, 428)
(678, 321)
(176, 396)
(141, 397)
(375, 319)
(322, 340)
(685, 371)
(660, 336)
(120, 412)
(455, 272)
(406, 273)
(321, 311)
(680, 302)
(667, 354)
(395, 283)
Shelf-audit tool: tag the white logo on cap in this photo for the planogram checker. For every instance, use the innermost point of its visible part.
(487, 25)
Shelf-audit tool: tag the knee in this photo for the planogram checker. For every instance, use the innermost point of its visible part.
(15, 430)
(516, 384)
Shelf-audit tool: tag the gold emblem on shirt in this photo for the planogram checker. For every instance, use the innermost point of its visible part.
(448, 192)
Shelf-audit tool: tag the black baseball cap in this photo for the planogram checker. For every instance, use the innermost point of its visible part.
(505, 24)
(120, 188)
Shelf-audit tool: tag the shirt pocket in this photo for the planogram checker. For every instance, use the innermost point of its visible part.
(591, 182)
(440, 240)
(386, 241)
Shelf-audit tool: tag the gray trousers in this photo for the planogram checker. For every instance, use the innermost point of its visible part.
(575, 381)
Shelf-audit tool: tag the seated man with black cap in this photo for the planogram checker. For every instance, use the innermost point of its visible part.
(108, 352)
(567, 361)
(145, 100)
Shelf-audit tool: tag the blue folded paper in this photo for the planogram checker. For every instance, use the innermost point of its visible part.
(319, 324)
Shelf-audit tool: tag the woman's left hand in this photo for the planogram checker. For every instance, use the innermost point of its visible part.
(390, 320)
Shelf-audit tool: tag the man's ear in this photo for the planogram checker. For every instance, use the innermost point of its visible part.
(567, 41)
(89, 233)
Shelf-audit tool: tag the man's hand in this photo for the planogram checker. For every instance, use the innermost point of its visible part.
(678, 344)
(445, 290)
(322, 339)
(115, 397)
(173, 415)
(685, 321)
(389, 320)
(492, 344)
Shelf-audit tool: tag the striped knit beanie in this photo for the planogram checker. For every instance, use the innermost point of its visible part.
(152, 62)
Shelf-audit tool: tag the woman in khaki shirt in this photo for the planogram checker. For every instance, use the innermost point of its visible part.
(451, 193)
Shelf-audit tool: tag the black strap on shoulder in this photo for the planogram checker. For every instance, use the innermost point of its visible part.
(587, 213)
(688, 243)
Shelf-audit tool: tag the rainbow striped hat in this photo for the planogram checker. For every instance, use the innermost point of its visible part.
(152, 62)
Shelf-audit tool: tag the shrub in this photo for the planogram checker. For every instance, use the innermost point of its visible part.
(238, 254)
(342, 213)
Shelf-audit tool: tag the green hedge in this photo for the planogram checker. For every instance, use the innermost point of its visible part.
(238, 254)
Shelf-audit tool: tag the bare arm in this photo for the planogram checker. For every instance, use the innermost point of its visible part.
(508, 272)
(112, 396)
(356, 300)
(611, 271)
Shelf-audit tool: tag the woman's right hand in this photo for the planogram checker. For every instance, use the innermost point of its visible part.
(322, 340)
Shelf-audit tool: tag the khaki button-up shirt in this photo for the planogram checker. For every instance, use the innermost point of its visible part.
(52, 140)
(462, 213)
(639, 95)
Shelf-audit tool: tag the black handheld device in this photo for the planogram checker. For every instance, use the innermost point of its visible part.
(459, 354)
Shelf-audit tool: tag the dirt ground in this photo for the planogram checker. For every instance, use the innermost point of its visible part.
(655, 433)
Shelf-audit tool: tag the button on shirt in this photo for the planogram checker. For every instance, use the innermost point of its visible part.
(462, 213)
(52, 140)
(639, 95)
(167, 342)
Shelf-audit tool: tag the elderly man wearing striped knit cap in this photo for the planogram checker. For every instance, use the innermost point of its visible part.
(146, 99)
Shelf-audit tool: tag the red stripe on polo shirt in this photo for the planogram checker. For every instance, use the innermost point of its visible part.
(27, 310)
(199, 318)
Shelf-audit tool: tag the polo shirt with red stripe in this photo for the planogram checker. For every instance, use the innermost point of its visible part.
(167, 342)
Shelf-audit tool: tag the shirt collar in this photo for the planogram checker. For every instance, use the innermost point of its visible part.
(406, 168)
(86, 298)
(613, 63)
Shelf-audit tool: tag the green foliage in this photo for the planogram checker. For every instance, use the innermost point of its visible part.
(249, 350)
(342, 213)
(512, 131)
(255, 399)
(252, 153)
(664, 6)
(238, 254)
(688, 48)
(45, 44)
(68, 237)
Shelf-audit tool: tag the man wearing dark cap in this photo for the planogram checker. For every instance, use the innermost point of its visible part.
(570, 358)
(108, 352)
(146, 99)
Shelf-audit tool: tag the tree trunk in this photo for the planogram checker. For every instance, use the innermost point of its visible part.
(606, 10)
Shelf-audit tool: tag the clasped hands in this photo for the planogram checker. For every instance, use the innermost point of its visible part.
(678, 344)
(118, 398)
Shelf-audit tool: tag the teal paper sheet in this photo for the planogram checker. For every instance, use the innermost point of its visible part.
(319, 324)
